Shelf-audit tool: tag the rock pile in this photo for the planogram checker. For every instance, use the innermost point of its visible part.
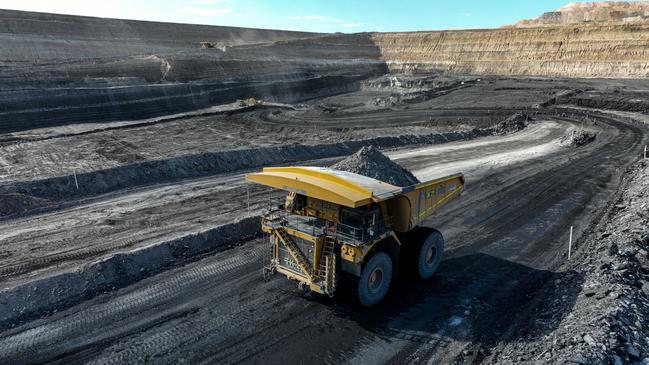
(386, 102)
(370, 162)
(512, 124)
(577, 138)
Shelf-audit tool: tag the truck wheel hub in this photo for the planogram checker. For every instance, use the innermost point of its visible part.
(430, 255)
(376, 279)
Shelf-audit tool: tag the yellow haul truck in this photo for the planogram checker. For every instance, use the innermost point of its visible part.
(334, 223)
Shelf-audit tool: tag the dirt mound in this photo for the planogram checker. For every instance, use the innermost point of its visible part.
(577, 138)
(370, 162)
(512, 124)
(11, 204)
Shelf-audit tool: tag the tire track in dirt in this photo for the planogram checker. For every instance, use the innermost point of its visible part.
(157, 211)
(91, 319)
(514, 221)
(140, 346)
(255, 306)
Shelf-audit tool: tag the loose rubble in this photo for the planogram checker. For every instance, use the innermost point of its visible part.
(512, 124)
(370, 162)
(577, 138)
(609, 322)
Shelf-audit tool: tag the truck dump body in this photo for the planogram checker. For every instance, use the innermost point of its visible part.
(340, 187)
(416, 203)
(332, 221)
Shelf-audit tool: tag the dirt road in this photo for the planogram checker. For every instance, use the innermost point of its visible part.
(140, 217)
(505, 237)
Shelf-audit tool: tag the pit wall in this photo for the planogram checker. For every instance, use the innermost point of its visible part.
(41, 38)
(613, 51)
(60, 69)
(32, 108)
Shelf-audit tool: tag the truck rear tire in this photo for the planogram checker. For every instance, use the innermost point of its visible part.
(430, 253)
(375, 279)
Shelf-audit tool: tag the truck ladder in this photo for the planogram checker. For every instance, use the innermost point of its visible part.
(327, 266)
(292, 248)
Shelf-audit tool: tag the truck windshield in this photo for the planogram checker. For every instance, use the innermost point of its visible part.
(361, 224)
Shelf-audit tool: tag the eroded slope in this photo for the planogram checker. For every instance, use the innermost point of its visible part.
(609, 51)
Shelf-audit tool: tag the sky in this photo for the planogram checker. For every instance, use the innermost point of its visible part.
(346, 16)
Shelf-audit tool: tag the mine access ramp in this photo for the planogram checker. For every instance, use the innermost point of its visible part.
(334, 224)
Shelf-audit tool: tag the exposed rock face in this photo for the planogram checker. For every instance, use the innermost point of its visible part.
(59, 69)
(594, 12)
(370, 162)
(612, 51)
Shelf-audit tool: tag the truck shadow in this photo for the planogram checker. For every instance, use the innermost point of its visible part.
(476, 298)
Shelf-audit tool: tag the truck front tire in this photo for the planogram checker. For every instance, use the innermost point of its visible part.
(375, 279)
(430, 253)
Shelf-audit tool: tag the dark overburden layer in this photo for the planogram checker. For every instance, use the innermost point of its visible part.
(59, 69)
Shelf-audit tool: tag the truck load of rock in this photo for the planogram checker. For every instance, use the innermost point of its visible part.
(370, 162)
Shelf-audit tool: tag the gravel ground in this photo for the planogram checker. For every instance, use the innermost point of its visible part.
(609, 275)
(217, 309)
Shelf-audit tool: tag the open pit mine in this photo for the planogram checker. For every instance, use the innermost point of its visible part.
(129, 232)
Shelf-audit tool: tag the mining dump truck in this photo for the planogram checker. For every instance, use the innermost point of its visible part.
(333, 225)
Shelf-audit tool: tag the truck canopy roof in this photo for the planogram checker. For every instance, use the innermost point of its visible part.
(340, 187)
